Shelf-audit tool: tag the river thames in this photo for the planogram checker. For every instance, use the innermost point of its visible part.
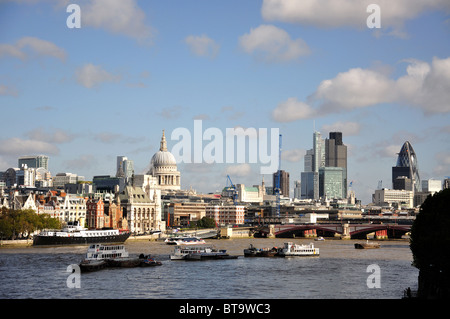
(341, 272)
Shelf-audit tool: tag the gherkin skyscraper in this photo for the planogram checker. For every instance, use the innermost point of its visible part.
(407, 167)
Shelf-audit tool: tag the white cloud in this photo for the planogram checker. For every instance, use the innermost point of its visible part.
(272, 44)
(55, 136)
(25, 47)
(347, 128)
(353, 89)
(292, 110)
(240, 170)
(118, 16)
(17, 146)
(426, 86)
(91, 75)
(202, 46)
(349, 13)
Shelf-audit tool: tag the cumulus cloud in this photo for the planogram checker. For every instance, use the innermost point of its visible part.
(240, 170)
(272, 44)
(292, 110)
(349, 13)
(202, 46)
(54, 136)
(347, 128)
(425, 86)
(91, 75)
(27, 47)
(17, 146)
(118, 16)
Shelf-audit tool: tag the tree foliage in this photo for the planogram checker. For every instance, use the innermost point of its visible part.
(14, 223)
(206, 222)
(430, 233)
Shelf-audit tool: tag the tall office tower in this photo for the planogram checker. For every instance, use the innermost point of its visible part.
(331, 182)
(446, 183)
(318, 162)
(309, 161)
(34, 161)
(284, 182)
(125, 167)
(297, 189)
(431, 185)
(307, 177)
(407, 166)
(336, 156)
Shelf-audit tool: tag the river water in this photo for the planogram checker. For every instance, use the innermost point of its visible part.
(341, 272)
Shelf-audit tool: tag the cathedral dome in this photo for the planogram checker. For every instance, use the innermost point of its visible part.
(163, 163)
(163, 158)
(164, 167)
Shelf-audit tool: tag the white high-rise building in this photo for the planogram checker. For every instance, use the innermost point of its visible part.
(431, 185)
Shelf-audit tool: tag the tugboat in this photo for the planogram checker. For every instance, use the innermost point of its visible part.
(75, 234)
(261, 252)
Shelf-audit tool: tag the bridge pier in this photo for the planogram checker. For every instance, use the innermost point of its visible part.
(309, 233)
(345, 231)
(381, 234)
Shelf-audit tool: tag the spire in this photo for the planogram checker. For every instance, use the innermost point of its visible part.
(163, 147)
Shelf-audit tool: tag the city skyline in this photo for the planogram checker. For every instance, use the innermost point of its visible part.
(85, 96)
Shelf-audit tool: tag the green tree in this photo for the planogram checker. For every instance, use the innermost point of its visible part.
(206, 222)
(24, 222)
(430, 246)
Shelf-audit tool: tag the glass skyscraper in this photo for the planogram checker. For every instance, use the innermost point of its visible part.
(325, 172)
(34, 161)
(407, 167)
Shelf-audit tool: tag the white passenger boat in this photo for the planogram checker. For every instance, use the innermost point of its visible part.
(290, 250)
(185, 240)
(75, 234)
(201, 252)
(100, 256)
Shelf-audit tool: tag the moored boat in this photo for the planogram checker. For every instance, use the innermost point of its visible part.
(75, 234)
(261, 252)
(148, 261)
(101, 256)
(185, 240)
(294, 250)
(92, 265)
(201, 252)
(367, 245)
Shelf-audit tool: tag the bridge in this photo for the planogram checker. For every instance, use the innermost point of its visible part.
(352, 231)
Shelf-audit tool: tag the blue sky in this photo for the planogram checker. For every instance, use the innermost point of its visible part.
(85, 96)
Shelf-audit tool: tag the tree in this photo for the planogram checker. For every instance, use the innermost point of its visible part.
(206, 222)
(430, 246)
(24, 223)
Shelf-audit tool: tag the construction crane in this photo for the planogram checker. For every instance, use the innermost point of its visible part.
(277, 185)
(232, 188)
